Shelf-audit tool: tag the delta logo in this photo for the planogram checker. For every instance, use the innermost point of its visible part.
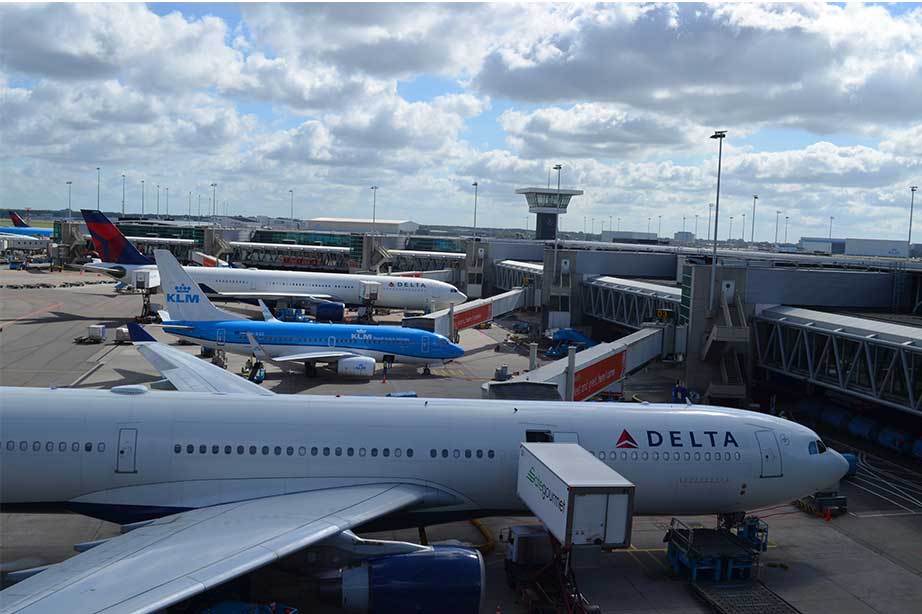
(626, 441)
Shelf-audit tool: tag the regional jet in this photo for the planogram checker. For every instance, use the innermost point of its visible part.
(212, 486)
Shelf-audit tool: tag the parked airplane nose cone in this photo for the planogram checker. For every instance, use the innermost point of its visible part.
(839, 467)
(456, 351)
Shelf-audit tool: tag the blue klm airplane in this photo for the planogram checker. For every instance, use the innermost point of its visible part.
(354, 349)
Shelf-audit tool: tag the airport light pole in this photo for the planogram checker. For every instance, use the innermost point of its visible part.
(831, 217)
(476, 185)
(97, 188)
(649, 219)
(743, 230)
(683, 223)
(659, 227)
(786, 218)
(142, 198)
(291, 194)
(199, 206)
(696, 226)
(912, 202)
(214, 203)
(158, 201)
(168, 202)
(123, 193)
(752, 237)
(720, 135)
(730, 230)
(374, 208)
(619, 223)
(190, 203)
(69, 184)
(777, 214)
(710, 208)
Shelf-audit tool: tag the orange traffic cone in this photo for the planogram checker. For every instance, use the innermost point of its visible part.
(828, 516)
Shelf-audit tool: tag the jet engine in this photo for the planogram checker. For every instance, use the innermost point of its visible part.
(445, 579)
(327, 311)
(357, 366)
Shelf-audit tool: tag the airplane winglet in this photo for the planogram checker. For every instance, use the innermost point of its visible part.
(137, 333)
(267, 313)
(258, 350)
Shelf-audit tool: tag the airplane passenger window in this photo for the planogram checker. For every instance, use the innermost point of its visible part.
(687, 456)
(444, 453)
(602, 455)
(350, 451)
(624, 456)
(697, 456)
(374, 451)
(645, 455)
(228, 449)
(100, 447)
(278, 450)
(24, 445)
(215, 449)
(290, 451)
(433, 453)
(189, 448)
(361, 451)
(37, 445)
(457, 453)
(49, 446)
(339, 451)
(409, 452)
(397, 452)
(467, 454)
(737, 455)
(239, 449)
(202, 449)
(479, 453)
(11, 445)
(726, 456)
(490, 454)
(326, 451)
(252, 450)
(385, 452)
(177, 449)
(302, 451)
(75, 447)
(314, 451)
(633, 455)
(656, 456)
(707, 456)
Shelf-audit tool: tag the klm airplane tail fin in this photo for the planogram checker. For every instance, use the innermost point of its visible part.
(184, 299)
(18, 222)
(109, 241)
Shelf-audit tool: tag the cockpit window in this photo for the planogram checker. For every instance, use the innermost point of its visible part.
(812, 447)
(821, 446)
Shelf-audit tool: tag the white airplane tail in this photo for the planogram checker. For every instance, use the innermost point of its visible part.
(184, 299)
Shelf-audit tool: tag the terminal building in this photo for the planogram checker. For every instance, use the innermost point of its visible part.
(339, 224)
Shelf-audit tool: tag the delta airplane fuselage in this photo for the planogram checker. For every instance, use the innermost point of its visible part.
(393, 292)
(130, 454)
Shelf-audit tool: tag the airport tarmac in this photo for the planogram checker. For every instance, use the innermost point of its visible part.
(867, 560)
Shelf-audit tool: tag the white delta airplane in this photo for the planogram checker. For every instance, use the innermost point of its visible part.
(222, 477)
(325, 293)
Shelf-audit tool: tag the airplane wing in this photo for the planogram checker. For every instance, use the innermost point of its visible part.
(184, 554)
(186, 372)
(319, 355)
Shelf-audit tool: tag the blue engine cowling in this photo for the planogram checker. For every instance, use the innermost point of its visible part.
(328, 311)
(444, 579)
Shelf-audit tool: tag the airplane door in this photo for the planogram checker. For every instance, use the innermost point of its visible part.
(425, 345)
(771, 454)
(331, 341)
(219, 337)
(127, 451)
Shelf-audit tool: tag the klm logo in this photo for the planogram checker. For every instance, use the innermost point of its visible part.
(182, 294)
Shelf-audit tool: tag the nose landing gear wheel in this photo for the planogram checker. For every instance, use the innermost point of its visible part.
(427, 371)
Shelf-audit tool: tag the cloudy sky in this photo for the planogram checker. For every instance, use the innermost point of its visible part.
(822, 103)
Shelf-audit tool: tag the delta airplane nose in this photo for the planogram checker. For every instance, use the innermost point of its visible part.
(838, 467)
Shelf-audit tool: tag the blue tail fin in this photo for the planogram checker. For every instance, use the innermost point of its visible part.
(110, 242)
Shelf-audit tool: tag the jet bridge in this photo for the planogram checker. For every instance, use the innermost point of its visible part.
(449, 321)
(868, 359)
(593, 370)
(628, 302)
(517, 274)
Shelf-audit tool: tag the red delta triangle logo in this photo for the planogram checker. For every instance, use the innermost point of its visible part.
(626, 441)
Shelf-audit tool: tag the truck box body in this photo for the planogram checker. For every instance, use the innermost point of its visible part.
(579, 499)
(876, 247)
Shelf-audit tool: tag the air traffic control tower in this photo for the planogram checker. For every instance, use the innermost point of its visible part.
(547, 204)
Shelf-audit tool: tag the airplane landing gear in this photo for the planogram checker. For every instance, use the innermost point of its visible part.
(310, 369)
(427, 370)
